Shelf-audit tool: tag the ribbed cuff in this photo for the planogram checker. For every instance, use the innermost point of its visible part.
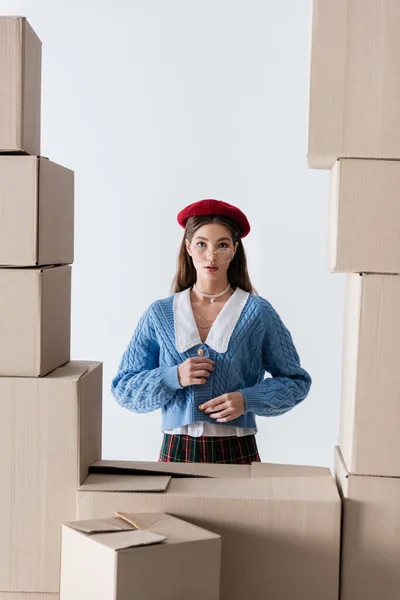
(170, 378)
(252, 398)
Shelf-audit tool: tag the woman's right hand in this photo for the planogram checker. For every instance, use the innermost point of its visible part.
(195, 371)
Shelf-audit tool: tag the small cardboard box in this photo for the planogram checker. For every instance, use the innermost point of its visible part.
(355, 80)
(268, 516)
(370, 535)
(35, 317)
(370, 398)
(50, 432)
(36, 212)
(141, 556)
(365, 216)
(20, 89)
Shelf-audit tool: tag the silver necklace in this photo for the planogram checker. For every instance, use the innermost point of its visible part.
(211, 296)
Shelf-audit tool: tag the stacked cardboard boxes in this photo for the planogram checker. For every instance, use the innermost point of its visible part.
(280, 524)
(50, 408)
(354, 130)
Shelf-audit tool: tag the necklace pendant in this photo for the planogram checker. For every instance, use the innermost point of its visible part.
(212, 300)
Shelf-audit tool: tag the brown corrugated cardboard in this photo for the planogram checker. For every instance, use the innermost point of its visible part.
(355, 81)
(370, 399)
(125, 467)
(182, 560)
(370, 536)
(50, 432)
(282, 470)
(365, 216)
(159, 468)
(280, 534)
(122, 531)
(27, 596)
(35, 315)
(126, 483)
(20, 90)
(37, 208)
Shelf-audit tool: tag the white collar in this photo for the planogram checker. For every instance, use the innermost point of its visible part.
(186, 331)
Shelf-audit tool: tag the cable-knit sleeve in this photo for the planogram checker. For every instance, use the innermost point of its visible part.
(141, 385)
(290, 383)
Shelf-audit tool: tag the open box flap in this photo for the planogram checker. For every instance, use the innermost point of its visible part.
(214, 471)
(120, 540)
(125, 483)
(170, 469)
(121, 531)
(105, 525)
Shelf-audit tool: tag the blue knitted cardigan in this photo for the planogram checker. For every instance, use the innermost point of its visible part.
(253, 353)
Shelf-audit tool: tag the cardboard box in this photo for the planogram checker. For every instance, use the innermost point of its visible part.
(35, 318)
(354, 81)
(50, 432)
(27, 596)
(370, 398)
(142, 468)
(20, 90)
(209, 470)
(158, 557)
(280, 526)
(365, 216)
(370, 536)
(37, 212)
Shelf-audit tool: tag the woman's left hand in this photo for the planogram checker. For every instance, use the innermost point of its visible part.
(225, 408)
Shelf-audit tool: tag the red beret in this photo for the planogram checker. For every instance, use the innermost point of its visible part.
(215, 207)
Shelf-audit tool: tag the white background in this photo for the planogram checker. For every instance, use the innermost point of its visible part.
(156, 104)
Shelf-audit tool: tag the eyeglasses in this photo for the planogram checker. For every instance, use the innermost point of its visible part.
(201, 254)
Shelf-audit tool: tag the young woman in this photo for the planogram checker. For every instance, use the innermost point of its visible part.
(202, 353)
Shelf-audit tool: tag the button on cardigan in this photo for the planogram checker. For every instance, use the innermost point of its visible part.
(187, 328)
(248, 341)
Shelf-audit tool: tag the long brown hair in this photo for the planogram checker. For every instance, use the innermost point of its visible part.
(237, 272)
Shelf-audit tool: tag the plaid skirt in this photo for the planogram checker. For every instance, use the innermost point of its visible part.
(227, 450)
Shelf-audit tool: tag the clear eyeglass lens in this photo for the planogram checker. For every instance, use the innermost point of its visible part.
(200, 253)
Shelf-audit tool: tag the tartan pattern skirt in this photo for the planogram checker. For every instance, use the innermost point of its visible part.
(220, 450)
